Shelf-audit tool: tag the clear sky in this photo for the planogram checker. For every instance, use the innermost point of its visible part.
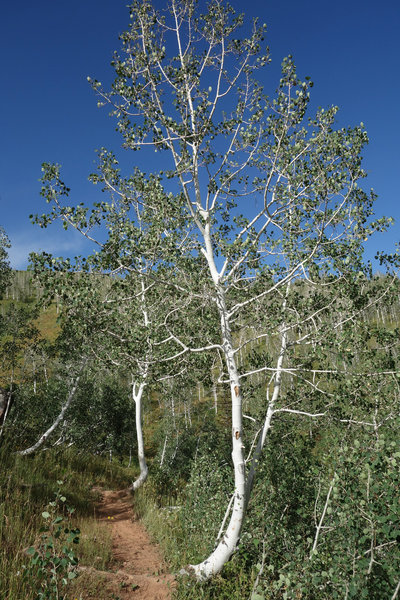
(48, 112)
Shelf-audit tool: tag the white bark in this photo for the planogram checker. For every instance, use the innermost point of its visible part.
(225, 548)
(137, 394)
(214, 391)
(226, 515)
(163, 451)
(58, 420)
(130, 456)
(6, 406)
(319, 526)
(227, 545)
(270, 413)
(7, 400)
(396, 591)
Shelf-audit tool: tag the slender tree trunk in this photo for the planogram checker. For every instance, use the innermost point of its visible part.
(227, 545)
(130, 456)
(185, 415)
(58, 420)
(214, 391)
(137, 394)
(268, 417)
(163, 451)
(271, 404)
(7, 402)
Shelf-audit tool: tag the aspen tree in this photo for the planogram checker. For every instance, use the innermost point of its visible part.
(271, 219)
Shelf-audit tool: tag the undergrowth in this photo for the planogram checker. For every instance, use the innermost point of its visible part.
(27, 485)
(186, 532)
(306, 484)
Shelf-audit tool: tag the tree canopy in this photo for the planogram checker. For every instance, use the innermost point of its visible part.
(248, 234)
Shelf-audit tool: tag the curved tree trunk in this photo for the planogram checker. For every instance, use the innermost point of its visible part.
(227, 545)
(5, 403)
(137, 393)
(243, 485)
(58, 420)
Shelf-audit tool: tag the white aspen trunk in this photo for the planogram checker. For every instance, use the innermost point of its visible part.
(319, 526)
(214, 391)
(163, 451)
(58, 420)
(137, 396)
(173, 412)
(8, 402)
(5, 413)
(271, 404)
(268, 417)
(34, 376)
(227, 545)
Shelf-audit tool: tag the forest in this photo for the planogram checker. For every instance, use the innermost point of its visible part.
(226, 352)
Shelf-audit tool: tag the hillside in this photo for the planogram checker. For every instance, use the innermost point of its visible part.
(327, 468)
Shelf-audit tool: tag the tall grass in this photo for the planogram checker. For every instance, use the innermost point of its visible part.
(27, 484)
(166, 518)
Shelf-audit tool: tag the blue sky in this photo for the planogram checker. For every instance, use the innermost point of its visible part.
(48, 111)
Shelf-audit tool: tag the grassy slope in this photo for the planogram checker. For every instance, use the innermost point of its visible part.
(27, 484)
(80, 475)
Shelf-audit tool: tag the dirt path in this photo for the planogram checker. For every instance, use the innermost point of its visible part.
(140, 574)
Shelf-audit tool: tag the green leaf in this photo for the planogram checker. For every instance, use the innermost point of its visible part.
(57, 520)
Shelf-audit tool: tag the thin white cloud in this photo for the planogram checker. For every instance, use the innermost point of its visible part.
(60, 243)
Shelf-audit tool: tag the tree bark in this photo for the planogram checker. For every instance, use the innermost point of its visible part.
(227, 545)
(137, 394)
(5, 403)
(58, 420)
(268, 417)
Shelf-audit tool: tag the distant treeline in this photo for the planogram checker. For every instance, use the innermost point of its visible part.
(22, 288)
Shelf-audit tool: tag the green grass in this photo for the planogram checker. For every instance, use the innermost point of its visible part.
(169, 530)
(27, 484)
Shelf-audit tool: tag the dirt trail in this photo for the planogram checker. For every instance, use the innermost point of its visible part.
(140, 574)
